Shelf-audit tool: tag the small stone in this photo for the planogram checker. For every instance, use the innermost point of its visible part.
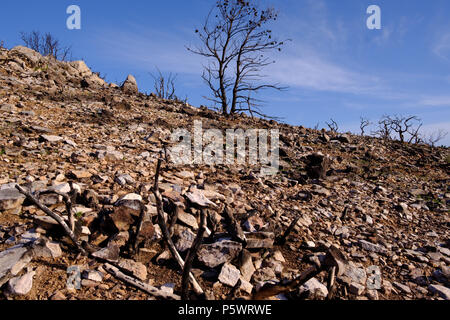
(314, 287)
(259, 240)
(185, 175)
(213, 255)
(45, 222)
(386, 287)
(131, 196)
(130, 85)
(10, 199)
(12, 261)
(356, 289)
(402, 287)
(246, 265)
(353, 274)
(47, 249)
(310, 244)
(89, 283)
(168, 287)
(110, 253)
(80, 174)
(185, 239)
(188, 219)
(124, 179)
(138, 269)
(21, 285)
(113, 156)
(278, 256)
(48, 138)
(253, 224)
(229, 275)
(93, 275)
(58, 296)
(264, 274)
(442, 291)
(372, 294)
(368, 246)
(246, 286)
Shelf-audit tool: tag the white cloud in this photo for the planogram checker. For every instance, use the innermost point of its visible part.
(442, 47)
(384, 37)
(147, 49)
(435, 101)
(305, 68)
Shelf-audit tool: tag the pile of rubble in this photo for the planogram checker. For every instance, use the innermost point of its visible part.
(347, 217)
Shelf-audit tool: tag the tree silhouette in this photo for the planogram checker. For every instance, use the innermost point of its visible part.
(234, 40)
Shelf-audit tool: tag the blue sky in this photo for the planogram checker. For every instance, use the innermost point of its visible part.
(335, 67)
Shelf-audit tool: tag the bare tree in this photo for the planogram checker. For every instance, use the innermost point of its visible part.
(234, 39)
(435, 137)
(333, 126)
(316, 127)
(46, 45)
(384, 128)
(364, 123)
(406, 125)
(164, 86)
(2, 44)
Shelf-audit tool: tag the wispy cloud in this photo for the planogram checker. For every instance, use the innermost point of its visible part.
(313, 72)
(384, 37)
(442, 47)
(144, 49)
(435, 101)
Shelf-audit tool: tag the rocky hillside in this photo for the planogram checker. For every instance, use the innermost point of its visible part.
(371, 216)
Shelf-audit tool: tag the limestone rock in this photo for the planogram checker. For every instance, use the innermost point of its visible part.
(12, 261)
(138, 269)
(130, 85)
(213, 255)
(229, 275)
(10, 199)
(21, 285)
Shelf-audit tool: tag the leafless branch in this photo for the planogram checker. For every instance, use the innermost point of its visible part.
(435, 137)
(282, 239)
(164, 85)
(234, 227)
(161, 220)
(234, 40)
(363, 124)
(58, 219)
(191, 255)
(333, 126)
(139, 284)
(46, 45)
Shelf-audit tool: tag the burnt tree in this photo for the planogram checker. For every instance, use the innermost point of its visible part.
(235, 39)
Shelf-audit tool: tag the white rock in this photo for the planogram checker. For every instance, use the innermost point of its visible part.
(442, 291)
(188, 219)
(229, 275)
(21, 285)
(12, 261)
(28, 53)
(314, 286)
(10, 199)
(51, 139)
(81, 68)
(246, 286)
(131, 196)
(93, 275)
(47, 249)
